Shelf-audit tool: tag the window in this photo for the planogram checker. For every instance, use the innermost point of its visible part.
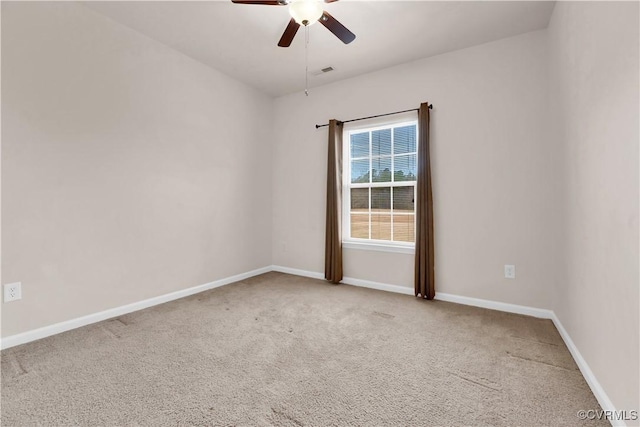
(380, 169)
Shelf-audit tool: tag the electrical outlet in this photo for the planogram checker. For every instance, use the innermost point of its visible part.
(12, 291)
(510, 271)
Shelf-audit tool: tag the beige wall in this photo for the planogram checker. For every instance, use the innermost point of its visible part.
(595, 71)
(121, 175)
(128, 170)
(493, 170)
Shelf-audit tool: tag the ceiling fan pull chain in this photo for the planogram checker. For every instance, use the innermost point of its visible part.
(306, 60)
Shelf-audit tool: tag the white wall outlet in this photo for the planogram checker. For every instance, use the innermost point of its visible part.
(12, 291)
(510, 271)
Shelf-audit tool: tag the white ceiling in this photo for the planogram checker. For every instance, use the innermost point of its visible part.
(241, 40)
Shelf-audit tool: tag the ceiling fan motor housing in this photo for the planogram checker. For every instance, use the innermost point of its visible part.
(305, 12)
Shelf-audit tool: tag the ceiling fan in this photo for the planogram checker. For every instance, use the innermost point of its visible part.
(305, 12)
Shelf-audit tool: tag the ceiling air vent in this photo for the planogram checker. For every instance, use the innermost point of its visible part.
(323, 71)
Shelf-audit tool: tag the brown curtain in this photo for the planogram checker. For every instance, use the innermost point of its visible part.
(424, 274)
(333, 235)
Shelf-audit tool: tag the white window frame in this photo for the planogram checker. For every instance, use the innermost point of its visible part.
(373, 244)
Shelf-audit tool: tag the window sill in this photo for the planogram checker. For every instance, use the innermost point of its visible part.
(380, 247)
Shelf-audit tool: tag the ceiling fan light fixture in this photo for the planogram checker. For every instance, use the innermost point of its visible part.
(305, 12)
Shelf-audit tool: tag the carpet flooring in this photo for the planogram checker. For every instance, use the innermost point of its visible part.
(284, 350)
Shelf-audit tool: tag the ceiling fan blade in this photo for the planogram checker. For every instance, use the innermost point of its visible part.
(337, 28)
(289, 33)
(329, 1)
(264, 2)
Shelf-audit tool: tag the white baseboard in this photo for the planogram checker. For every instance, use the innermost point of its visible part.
(496, 305)
(36, 334)
(596, 388)
(57, 328)
(297, 272)
(405, 290)
(345, 280)
(377, 285)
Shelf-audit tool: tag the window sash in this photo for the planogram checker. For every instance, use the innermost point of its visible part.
(383, 184)
(348, 185)
(369, 211)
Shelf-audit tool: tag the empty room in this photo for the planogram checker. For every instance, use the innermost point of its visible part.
(320, 213)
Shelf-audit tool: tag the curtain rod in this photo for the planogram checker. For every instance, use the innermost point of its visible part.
(373, 117)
